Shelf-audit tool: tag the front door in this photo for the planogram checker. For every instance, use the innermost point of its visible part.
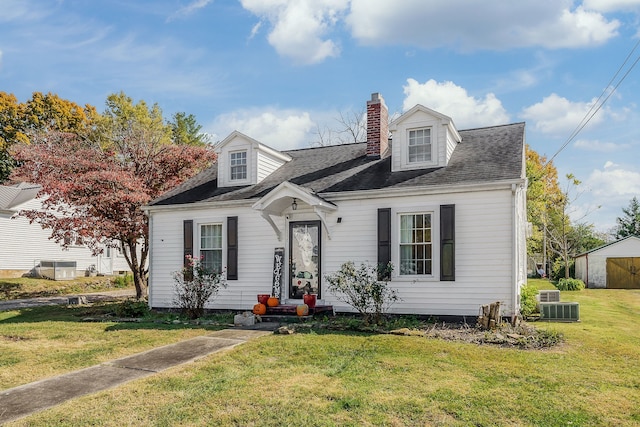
(304, 258)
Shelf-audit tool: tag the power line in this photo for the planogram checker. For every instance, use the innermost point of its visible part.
(597, 105)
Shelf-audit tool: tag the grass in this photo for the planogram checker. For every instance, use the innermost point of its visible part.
(30, 287)
(327, 378)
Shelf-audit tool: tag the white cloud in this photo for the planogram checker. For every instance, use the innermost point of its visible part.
(611, 5)
(615, 181)
(490, 24)
(558, 116)
(609, 164)
(595, 145)
(21, 10)
(299, 28)
(255, 29)
(279, 129)
(189, 9)
(454, 101)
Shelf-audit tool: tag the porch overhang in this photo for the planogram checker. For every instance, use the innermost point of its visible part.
(278, 202)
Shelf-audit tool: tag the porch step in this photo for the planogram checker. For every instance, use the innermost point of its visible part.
(290, 310)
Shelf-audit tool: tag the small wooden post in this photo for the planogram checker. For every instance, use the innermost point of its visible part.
(490, 317)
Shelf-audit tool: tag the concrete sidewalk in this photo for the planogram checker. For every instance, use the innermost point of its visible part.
(24, 400)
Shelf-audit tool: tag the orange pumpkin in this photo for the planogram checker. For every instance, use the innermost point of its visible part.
(302, 310)
(273, 302)
(259, 309)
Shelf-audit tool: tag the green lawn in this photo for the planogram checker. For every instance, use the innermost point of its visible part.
(30, 287)
(330, 378)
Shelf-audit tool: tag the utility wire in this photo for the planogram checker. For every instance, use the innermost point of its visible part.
(597, 105)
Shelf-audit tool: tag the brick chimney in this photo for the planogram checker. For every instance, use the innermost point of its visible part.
(377, 127)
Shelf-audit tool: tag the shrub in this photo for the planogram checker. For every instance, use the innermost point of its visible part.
(528, 300)
(132, 308)
(570, 285)
(194, 285)
(558, 269)
(125, 281)
(361, 289)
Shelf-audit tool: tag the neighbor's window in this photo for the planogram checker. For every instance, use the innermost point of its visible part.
(416, 248)
(238, 162)
(211, 246)
(420, 145)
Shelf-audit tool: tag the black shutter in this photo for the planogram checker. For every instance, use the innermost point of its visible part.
(187, 240)
(447, 243)
(232, 248)
(384, 241)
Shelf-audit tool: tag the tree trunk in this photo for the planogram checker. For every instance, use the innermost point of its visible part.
(137, 267)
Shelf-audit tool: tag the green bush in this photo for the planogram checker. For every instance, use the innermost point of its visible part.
(125, 281)
(365, 288)
(528, 300)
(558, 269)
(570, 285)
(132, 308)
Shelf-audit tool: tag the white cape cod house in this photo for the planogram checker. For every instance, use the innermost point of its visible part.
(446, 207)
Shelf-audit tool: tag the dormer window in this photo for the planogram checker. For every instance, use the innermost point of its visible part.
(420, 145)
(238, 162)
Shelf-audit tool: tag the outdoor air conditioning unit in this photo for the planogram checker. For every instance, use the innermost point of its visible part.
(549, 295)
(57, 270)
(560, 311)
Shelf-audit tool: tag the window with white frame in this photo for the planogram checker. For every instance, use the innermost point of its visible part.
(211, 246)
(416, 246)
(420, 145)
(238, 162)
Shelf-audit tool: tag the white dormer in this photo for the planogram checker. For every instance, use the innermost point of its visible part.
(422, 138)
(244, 161)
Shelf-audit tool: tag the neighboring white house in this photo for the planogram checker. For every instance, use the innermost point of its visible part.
(24, 246)
(446, 207)
(615, 265)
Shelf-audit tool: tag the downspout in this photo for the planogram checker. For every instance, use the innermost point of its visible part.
(516, 259)
(150, 261)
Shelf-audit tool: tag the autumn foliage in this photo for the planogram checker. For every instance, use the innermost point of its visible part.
(95, 184)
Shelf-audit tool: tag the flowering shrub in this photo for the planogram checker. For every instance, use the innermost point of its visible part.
(195, 285)
(363, 290)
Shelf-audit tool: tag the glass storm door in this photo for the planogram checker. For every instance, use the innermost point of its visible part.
(304, 258)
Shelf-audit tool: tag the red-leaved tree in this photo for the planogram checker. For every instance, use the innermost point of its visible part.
(94, 186)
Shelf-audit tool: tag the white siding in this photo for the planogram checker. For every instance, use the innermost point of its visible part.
(487, 265)
(267, 164)
(24, 245)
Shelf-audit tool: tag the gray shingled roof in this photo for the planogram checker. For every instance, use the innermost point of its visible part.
(485, 155)
(14, 195)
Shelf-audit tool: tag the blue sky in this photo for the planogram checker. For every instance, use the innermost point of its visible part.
(281, 70)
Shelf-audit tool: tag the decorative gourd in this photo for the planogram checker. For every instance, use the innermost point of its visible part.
(302, 310)
(273, 302)
(262, 298)
(310, 300)
(259, 309)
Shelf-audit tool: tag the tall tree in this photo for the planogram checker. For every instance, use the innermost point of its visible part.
(543, 197)
(186, 130)
(629, 224)
(351, 127)
(43, 112)
(95, 185)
